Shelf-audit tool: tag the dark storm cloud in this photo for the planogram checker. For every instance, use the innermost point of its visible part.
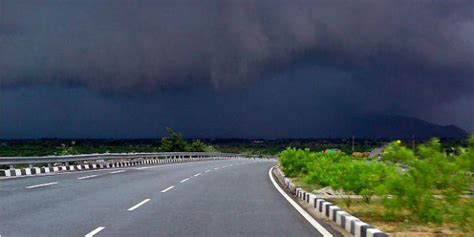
(405, 53)
(270, 108)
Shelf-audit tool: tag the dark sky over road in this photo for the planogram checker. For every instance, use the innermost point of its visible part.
(221, 68)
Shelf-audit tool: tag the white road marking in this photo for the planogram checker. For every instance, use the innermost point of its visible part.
(95, 231)
(167, 189)
(216, 168)
(88, 177)
(305, 214)
(184, 180)
(138, 205)
(118, 171)
(196, 175)
(42, 185)
(158, 166)
(207, 171)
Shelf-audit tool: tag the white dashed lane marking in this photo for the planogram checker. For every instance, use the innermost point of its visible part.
(196, 175)
(118, 171)
(88, 177)
(167, 189)
(95, 231)
(41, 185)
(207, 171)
(184, 180)
(138, 205)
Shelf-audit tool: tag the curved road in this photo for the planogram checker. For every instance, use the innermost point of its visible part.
(208, 198)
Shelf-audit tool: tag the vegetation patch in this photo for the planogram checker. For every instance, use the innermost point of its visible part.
(426, 189)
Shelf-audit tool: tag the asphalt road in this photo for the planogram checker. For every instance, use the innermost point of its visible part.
(208, 198)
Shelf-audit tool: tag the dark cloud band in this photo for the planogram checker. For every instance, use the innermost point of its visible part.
(404, 51)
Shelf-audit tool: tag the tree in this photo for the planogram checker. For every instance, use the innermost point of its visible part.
(67, 150)
(198, 146)
(174, 142)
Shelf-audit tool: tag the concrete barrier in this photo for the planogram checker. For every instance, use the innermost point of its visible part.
(351, 224)
(67, 168)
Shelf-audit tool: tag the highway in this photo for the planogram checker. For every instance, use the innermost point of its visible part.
(206, 198)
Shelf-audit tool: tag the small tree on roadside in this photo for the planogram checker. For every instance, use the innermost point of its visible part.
(67, 150)
(198, 146)
(174, 142)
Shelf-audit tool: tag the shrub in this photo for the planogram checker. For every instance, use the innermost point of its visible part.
(427, 183)
(173, 143)
(293, 161)
(352, 176)
(338, 171)
(431, 186)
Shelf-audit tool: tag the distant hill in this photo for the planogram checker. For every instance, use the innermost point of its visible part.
(401, 127)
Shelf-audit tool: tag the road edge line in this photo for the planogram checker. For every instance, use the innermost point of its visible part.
(305, 214)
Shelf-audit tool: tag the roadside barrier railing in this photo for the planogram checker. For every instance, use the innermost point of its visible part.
(45, 164)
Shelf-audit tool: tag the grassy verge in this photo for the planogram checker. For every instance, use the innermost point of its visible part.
(404, 225)
(408, 191)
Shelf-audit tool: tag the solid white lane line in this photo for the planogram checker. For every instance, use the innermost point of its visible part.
(196, 175)
(88, 177)
(138, 205)
(305, 214)
(95, 231)
(41, 185)
(207, 171)
(184, 180)
(167, 189)
(118, 171)
(142, 168)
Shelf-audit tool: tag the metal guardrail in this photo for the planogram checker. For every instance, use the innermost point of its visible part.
(31, 160)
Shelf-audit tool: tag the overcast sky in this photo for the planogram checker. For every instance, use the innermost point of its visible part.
(229, 68)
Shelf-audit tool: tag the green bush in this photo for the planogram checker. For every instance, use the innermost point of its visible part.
(426, 183)
(175, 143)
(338, 171)
(353, 176)
(432, 185)
(293, 161)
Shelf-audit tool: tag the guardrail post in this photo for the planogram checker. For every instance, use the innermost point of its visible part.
(108, 160)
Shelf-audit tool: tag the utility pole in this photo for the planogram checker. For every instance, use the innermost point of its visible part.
(1, 16)
(352, 143)
(3, 20)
